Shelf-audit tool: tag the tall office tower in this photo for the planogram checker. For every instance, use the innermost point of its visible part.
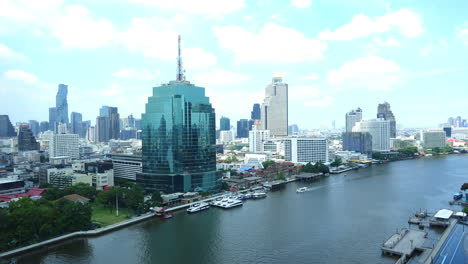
(352, 117)
(91, 134)
(243, 128)
(44, 126)
(306, 150)
(138, 123)
(76, 123)
(358, 141)
(451, 121)
(255, 114)
(34, 126)
(256, 139)
(379, 129)
(62, 145)
(26, 139)
(274, 111)
(84, 128)
(102, 129)
(131, 121)
(113, 119)
(52, 118)
(178, 139)
(293, 129)
(458, 121)
(61, 104)
(6, 128)
(224, 123)
(383, 111)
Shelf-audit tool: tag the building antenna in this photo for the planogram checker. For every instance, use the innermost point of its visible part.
(180, 70)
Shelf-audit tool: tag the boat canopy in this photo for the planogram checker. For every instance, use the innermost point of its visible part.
(443, 214)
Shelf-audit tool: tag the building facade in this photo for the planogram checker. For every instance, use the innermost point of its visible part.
(384, 111)
(26, 139)
(304, 150)
(358, 141)
(352, 117)
(256, 140)
(127, 166)
(64, 145)
(433, 139)
(379, 129)
(243, 128)
(76, 123)
(256, 113)
(274, 110)
(61, 104)
(224, 123)
(6, 128)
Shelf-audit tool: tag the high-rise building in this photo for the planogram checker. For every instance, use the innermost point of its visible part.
(34, 126)
(44, 126)
(293, 129)
(383, 111)
(433, 138)
(61, 104)
(91, 134)
(274, 111)
(243, 128)
(112, 118)
(225, 136)
(255, 114)
(62, 145)
(304, 150)
(131, 121)
(76, 123)
(358, 141)
(224, 123)
(6, 128)
(138, 123)
(26, 139)
(102, 129)
(52, 118)
(178, 139)
(126, 166)
(451, 121)
(84, 128)
(352, 117)
(256, 139)
(379, 129)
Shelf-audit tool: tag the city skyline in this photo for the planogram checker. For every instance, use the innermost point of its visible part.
(331, 64)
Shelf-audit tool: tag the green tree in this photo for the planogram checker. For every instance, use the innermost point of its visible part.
(82, 189)
(268, 163)
(436, 150)
(156, 198)
(281, 176)
(337, 162)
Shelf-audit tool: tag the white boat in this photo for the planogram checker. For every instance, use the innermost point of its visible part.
(301, 190)
(218, 203)
(259, 194)
(231, 203)
(197, 207)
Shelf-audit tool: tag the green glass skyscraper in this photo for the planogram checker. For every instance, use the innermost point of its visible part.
(179, 139)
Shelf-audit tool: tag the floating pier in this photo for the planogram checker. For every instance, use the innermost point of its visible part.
(404, 243)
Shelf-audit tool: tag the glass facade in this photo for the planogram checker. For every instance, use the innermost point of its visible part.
(179, 140)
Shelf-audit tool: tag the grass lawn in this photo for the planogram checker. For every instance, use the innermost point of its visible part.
(104, 216)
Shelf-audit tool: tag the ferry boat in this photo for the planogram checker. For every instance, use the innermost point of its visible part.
(197, 207)
(219, 202)
(301, 190)
(259, 194)
(231, 203)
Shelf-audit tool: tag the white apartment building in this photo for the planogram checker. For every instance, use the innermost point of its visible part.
(256, 139)
(63, 145)
(304, 150)
(379, 130)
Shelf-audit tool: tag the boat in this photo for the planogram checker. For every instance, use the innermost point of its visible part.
(231, 203)
(197, 207)
(167, 215)
(458, 196)
(259, 194)
(218, 203)
(159, 211)
(301, 190)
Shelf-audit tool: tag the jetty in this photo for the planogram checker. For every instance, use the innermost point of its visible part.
(309, 176)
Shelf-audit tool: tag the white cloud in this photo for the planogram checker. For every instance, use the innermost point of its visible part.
(388, 42)
(209, 7)
(373, 73)
(274, 43)
(312, 77)
(76, 29)
(22, 76)
(405, 21)
(301, 3)
(7, 54)
(136, 74)
(219, 77)
(462, 33)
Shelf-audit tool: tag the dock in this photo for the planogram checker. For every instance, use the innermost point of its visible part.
(404, 243)
(309, 176)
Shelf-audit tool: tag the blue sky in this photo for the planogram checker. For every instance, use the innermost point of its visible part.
(335, 55)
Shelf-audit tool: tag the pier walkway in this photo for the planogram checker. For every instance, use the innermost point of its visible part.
(404, 242)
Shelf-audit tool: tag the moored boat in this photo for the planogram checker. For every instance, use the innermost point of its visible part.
(259, 194)
(197, 207)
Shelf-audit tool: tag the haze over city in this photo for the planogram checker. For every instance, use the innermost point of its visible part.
(347, 54)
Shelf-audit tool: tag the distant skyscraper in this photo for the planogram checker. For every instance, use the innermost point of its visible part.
(293, 129)
(102, 129)
(379, 129)
(34, 126)
(6, 128)
(52, 118)
(138, 123)
(333, 124)
(113, 118)
(224, 123)
(76, 123)
(178, 139)
(61, 104)
(451, 121)
(44, 126)
(243, 128)
(274, 111)
(358, 141)
(26, 139)
(255, 114)
(131, 121)
(352, 117)
(84, 128)
(383, 111)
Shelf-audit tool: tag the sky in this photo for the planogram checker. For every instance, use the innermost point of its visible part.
(335, 55)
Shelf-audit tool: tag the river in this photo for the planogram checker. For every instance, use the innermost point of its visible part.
(342, 219)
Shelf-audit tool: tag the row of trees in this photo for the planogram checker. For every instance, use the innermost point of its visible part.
(26, 221)
(129, 195)
(318, 167)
